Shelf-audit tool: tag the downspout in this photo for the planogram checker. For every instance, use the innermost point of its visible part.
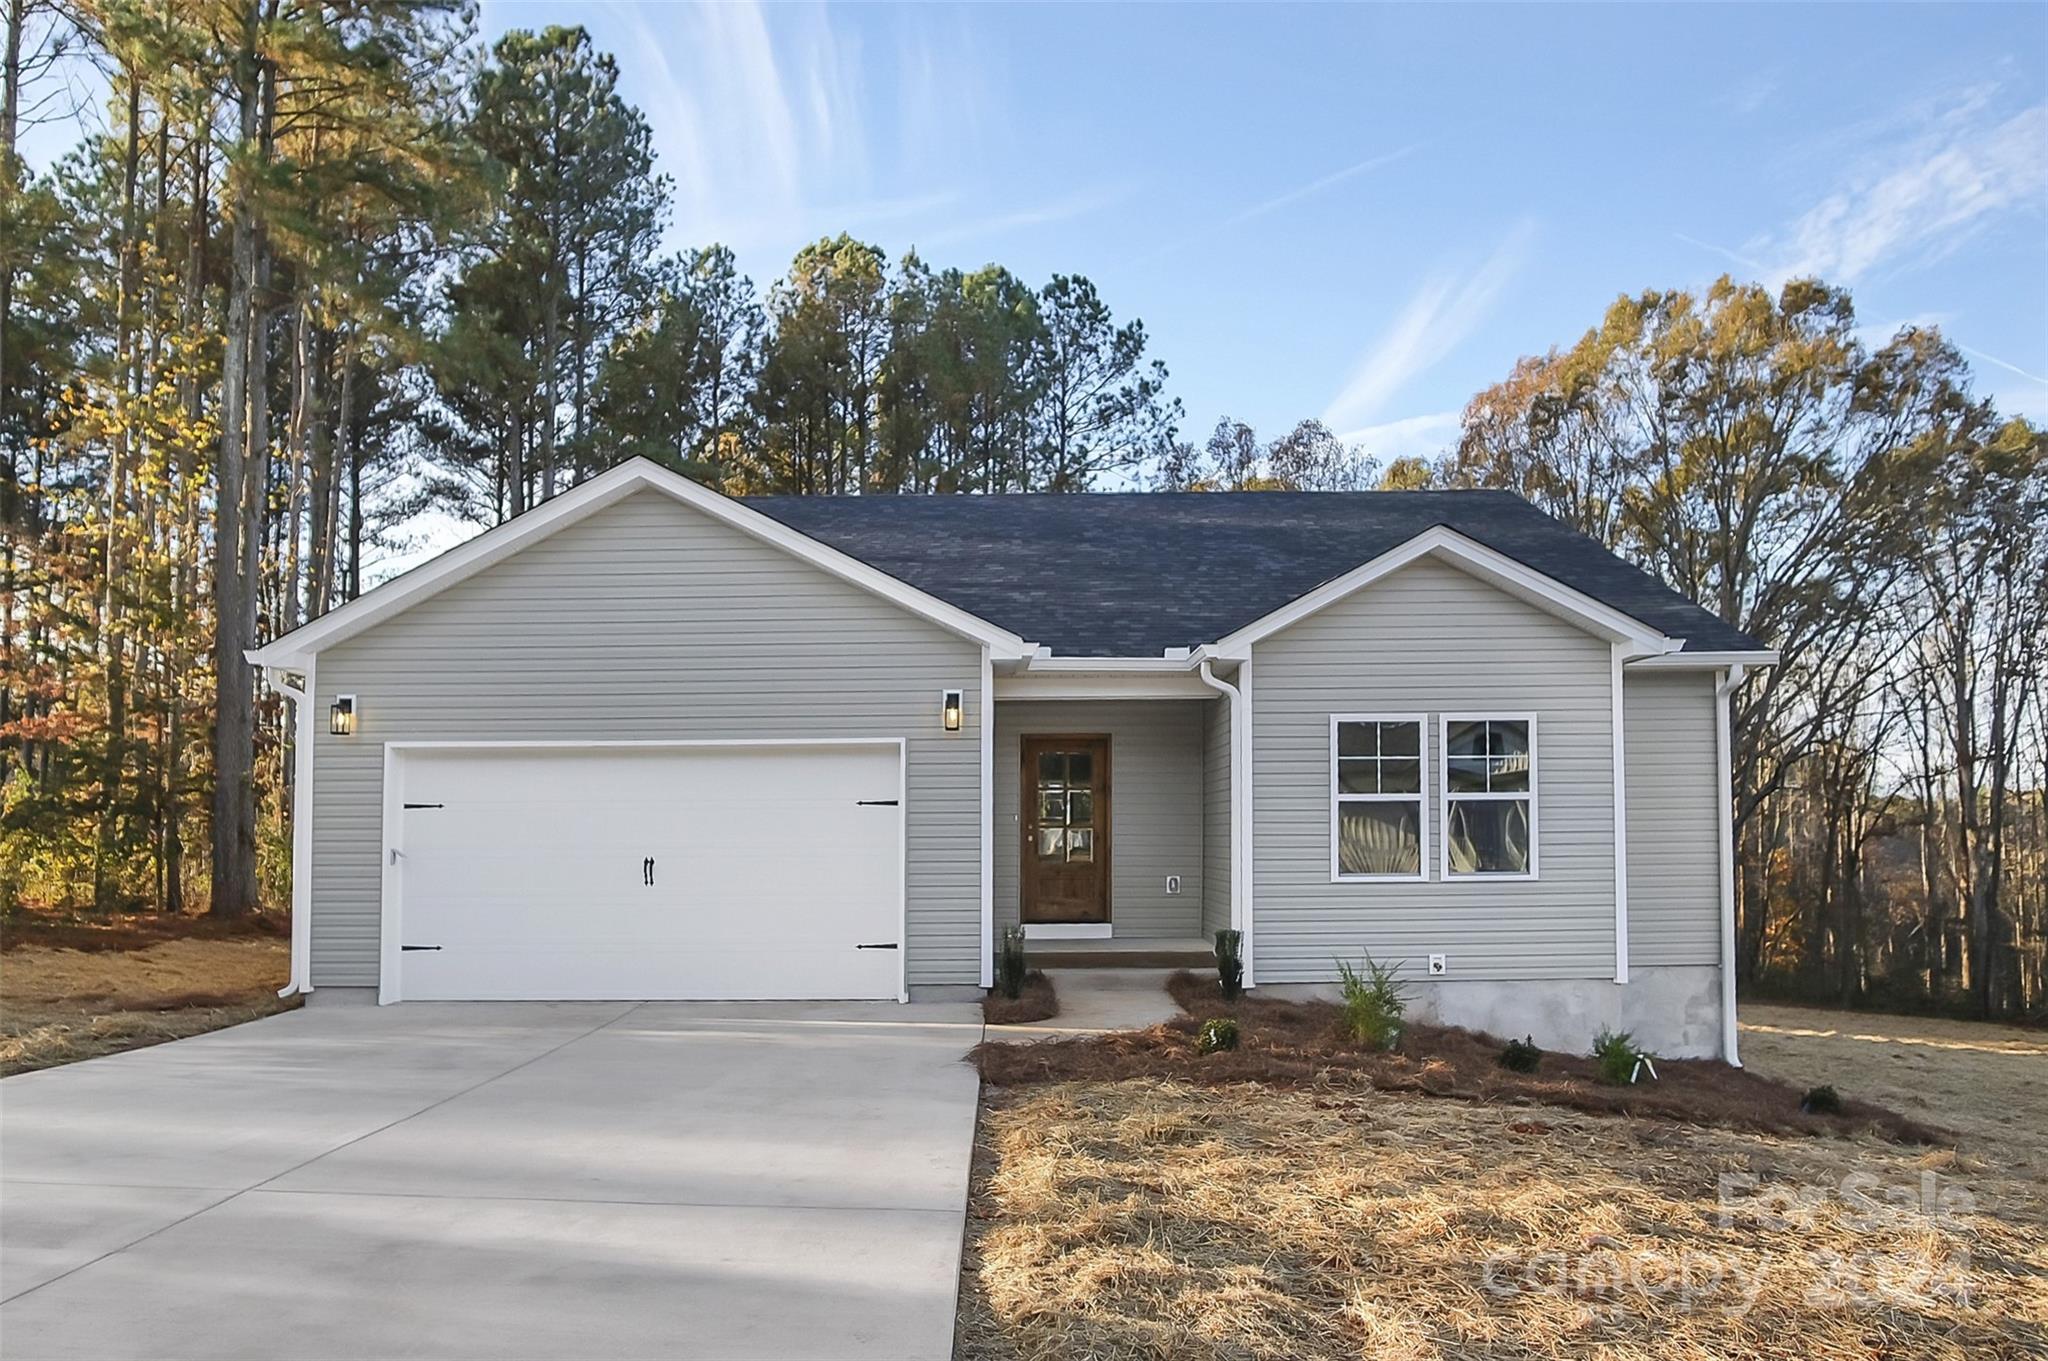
(986, 721)
(1724, 692)
(302, 826)
(1240, 808)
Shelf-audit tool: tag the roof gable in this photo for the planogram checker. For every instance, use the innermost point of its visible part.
(1476, 560)
(495, 545)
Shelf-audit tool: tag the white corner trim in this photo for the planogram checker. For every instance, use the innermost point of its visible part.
(1476, 559)
(1704, 661)
(587, 498)
(1620, 791)
(304, 706)
(985, 717)
(1724, 762)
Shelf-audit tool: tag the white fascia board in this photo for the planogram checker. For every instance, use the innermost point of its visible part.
(1477, 560)
(1102, 685)
(1046, 662)
(1704, 661)
(608, 488)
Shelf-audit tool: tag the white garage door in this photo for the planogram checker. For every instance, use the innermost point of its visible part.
(717, 873)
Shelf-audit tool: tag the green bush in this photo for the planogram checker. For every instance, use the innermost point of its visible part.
(1011, 965)
(1823, 1100)
(1230, 963)
(1218, 1032)
(1522, 1056)
(1617, 1054)
(1375, 1004)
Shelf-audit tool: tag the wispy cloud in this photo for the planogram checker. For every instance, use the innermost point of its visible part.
(763, 116)
(1060, 210)
(1919, 198)
(1423, 436)
(1751, 95)
(1436, 320)
(1994, 360)
(1317, 186)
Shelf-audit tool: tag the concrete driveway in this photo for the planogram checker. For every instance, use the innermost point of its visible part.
(527, 1180)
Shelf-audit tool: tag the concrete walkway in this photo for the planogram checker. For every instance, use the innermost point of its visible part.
(482, 1180)
(1096, 1000)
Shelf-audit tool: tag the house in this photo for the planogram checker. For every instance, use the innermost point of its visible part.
(647, 741)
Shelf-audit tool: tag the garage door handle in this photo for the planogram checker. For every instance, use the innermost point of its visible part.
(885, 945)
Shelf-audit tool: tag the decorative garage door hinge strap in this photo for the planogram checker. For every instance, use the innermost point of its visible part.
(419, 947)
(875, 803)
(885, 945)
(426, 805)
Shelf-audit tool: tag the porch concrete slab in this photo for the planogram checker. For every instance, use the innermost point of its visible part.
(482, 1180)
(1095, 1001)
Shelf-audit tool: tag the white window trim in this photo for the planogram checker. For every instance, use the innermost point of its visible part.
(1420, 798)
(1444, 796)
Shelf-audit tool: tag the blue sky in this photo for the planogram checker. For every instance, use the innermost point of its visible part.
(1365, 213)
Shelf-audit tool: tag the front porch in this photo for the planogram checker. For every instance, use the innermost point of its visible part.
(1112, 827)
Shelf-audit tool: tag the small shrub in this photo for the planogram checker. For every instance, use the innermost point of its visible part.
(1375, 1004)
(1616, 1053)
(1011, 965)
(1230, 963)
(1522, 1056)
(1218, 1032)
(1823, 1100)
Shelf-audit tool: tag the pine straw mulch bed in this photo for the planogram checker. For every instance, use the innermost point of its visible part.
(30, 928)
(1160, 1218)
(1036, 1001)
(1301, 1045)
(61, 1005)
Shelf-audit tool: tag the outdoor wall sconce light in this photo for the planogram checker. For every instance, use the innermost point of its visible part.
(341, 718)
(949, 709)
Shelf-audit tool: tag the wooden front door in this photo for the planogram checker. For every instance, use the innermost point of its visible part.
(1066, 829)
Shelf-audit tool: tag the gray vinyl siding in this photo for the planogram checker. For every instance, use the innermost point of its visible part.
(1430, 639)
(651, 620)
(1215, 817)
(1155, 800)
(1674, 852)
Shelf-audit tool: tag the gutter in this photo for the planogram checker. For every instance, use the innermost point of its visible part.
(1724, 691)
(301, 980)
(1240, 811)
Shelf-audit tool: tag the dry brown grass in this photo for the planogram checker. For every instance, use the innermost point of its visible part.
(1036, 1001)
(60, 1005)
(1989, 1083)
(1302, 1044)
(1150, 1218)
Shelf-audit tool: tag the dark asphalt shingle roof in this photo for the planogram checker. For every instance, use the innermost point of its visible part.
(1131, 574)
